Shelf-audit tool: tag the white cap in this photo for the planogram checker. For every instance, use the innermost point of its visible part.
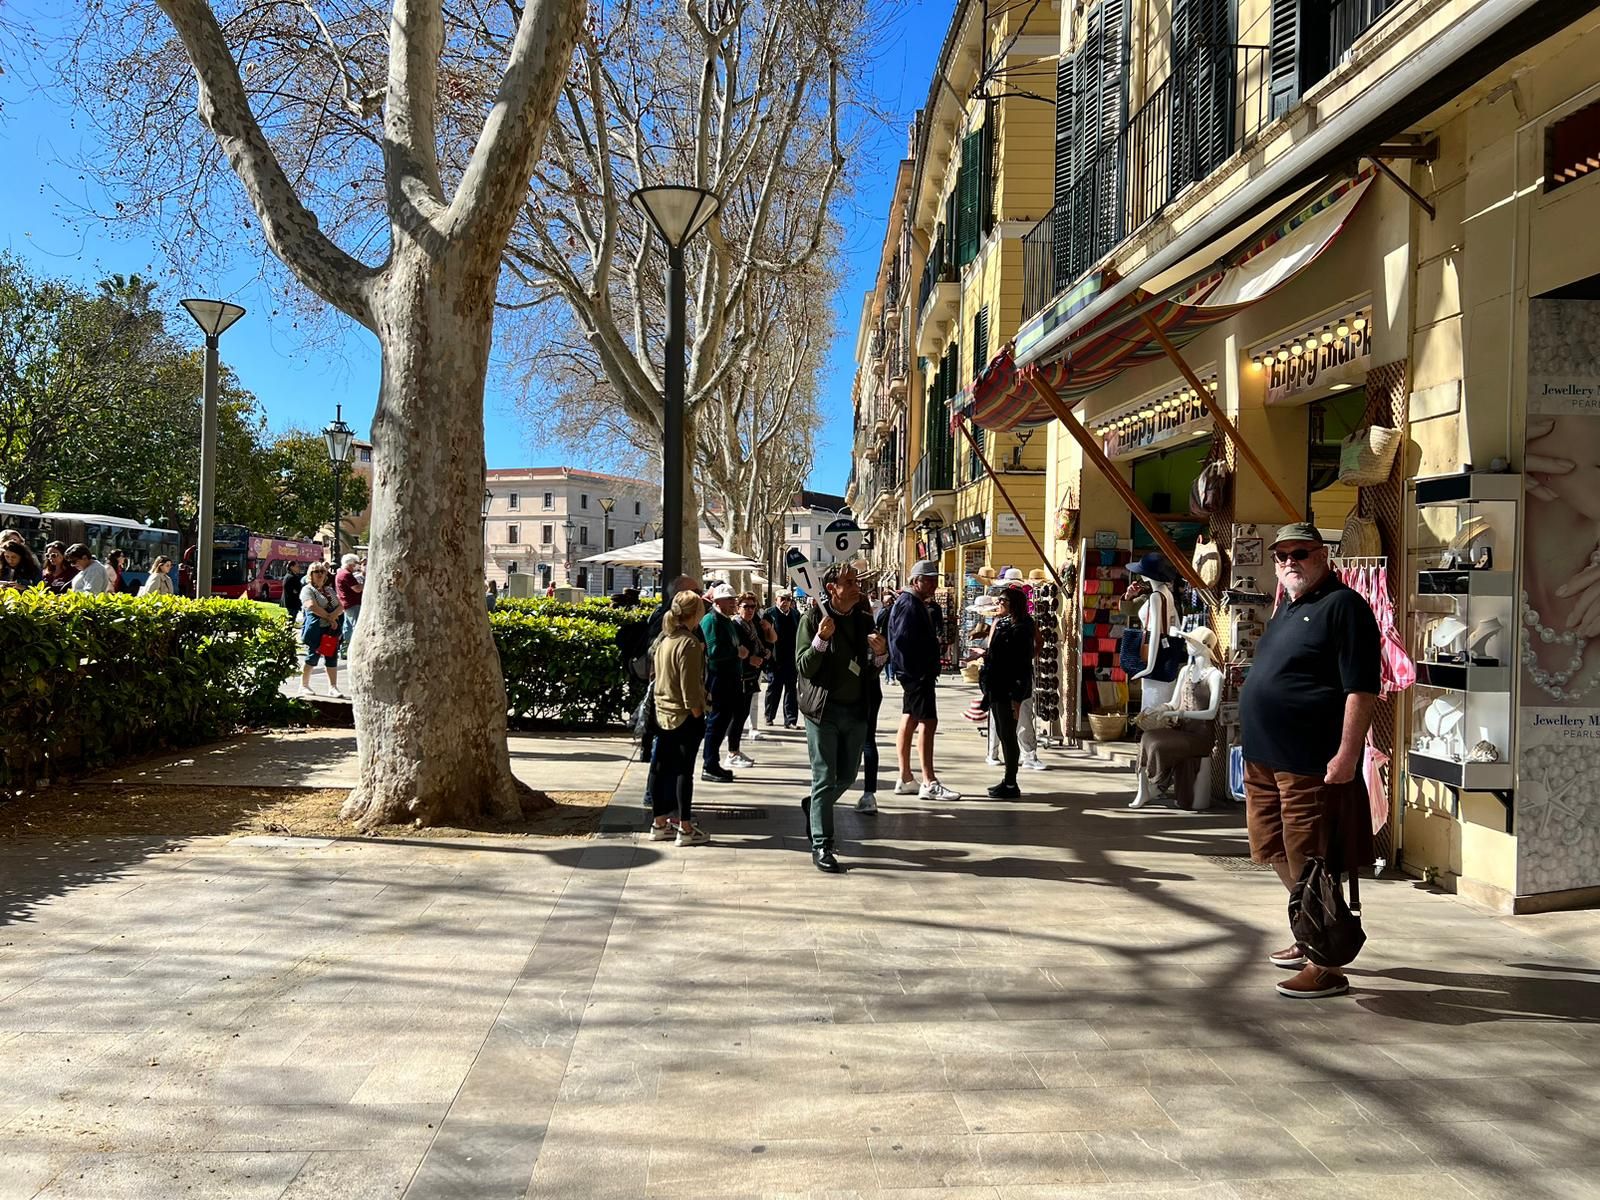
(723, 592)
(1011, 573)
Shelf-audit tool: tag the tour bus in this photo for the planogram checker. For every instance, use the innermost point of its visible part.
(24, 518)
(102, 534)
(251, 564)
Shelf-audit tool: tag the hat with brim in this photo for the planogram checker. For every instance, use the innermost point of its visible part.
(1204, 638)
(1298, 531)
(1038, 575)
(1155, 567)
(985, 573)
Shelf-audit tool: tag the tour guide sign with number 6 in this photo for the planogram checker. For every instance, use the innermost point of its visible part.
(843, 539)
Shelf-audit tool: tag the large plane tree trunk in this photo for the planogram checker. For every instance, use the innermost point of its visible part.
(430, 702)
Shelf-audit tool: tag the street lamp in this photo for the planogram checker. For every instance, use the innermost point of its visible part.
(607, 503)
(483, 526)
(572, 551)
(676, 213)
(214, 317)
(340, 440)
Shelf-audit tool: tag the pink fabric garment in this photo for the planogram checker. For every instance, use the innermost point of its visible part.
(1377, 791)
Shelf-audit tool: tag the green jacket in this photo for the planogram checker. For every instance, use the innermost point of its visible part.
(722, 644)
(830, 669)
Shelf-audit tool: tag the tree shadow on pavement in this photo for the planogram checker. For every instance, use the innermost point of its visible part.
(1475, 997)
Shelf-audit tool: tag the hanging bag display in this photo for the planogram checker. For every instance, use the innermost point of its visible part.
(1209, 492)
(1207, 561)
(1367, 455)
(1360, 538)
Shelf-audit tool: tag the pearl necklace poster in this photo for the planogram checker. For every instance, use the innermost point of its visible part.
(1558, 644)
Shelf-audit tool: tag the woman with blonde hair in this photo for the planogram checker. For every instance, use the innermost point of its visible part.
(159, 582)
(680, 709)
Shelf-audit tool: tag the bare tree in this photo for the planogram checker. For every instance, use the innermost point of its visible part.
(384, 154)
(742, 97)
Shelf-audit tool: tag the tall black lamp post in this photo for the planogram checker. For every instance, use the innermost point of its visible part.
(340, 440)
(570, 527)
(607, 503)
(677, 213)
(214, 317)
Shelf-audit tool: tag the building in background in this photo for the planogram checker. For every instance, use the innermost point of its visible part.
(544, 521)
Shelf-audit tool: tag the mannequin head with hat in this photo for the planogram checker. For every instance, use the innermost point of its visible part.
(1300, 557)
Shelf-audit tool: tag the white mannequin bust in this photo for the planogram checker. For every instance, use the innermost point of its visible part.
(1158, 615)
(1203, 668)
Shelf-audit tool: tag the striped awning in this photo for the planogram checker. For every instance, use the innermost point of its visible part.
(1000, 398)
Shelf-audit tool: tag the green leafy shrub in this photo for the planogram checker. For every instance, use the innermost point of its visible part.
(87, 679)
(565, 664)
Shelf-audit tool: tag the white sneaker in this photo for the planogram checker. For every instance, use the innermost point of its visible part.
(991, 761)
(306, 693)
(868, 803)
(338, 695)
(663, 833)
(937, 791)
(738, 760)
(1030, 762)
(755, 735)
(906, 787)
(692, 837)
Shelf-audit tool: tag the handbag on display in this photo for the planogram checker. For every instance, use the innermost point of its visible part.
(1209, 491)
(1367, 455)
(1207, 561)
(1360, 538)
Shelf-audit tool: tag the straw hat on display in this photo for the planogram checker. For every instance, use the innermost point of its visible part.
(1038, 575)
(1204, 638)
(985, 573)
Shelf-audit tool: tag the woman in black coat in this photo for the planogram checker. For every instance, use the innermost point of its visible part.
(1008, 681)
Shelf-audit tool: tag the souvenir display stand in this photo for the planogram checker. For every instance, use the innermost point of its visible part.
(1464, 630)
(1103, 577)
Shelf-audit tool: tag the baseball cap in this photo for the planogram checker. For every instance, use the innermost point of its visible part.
(723, 592)
(926, 567)
(1299, 531)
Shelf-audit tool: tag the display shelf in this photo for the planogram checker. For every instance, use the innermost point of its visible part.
(1469, 777)
(1470, 487)
(1463, 583)
(1460, 677)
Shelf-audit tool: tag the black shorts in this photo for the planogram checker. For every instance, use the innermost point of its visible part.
(919, 698)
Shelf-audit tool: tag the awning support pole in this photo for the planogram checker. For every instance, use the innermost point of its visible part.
(977, 449)
(1416, 196)
(1092, 451)
(1220, 417)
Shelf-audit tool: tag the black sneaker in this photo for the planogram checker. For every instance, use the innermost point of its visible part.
(1005, 791)
(719, 775)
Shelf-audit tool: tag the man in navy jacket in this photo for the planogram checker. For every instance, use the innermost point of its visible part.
(914, 655)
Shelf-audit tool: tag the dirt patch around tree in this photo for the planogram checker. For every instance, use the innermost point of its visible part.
(84, 810)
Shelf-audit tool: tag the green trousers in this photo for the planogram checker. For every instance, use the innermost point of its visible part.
(835, 743)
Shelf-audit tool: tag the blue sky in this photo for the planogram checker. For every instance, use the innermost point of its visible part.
(298, 385)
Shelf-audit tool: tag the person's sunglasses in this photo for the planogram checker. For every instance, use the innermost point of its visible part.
(1299, 554)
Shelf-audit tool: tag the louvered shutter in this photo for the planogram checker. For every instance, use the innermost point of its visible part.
(1060, 222)
(1285, 75)
(1202, 91)
(980, 342)
(986, 212)
(968, 189)
(1111, 113)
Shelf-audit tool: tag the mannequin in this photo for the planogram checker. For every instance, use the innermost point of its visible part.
(1158, 616)
(1179, 736)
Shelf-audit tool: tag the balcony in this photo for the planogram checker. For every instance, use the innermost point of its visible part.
(933, 481)
(1213, 105)
(938, 299)
(519, 548)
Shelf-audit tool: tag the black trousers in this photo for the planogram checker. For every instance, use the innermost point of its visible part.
(741, 714)
(1004, 715)
(672, 769)
(724, 694)
(784, 686)
(869, 748)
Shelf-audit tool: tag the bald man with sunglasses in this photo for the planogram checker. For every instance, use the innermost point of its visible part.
(1303, 716)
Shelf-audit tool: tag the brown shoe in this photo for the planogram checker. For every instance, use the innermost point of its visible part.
(1313, 983)
(1291, 959)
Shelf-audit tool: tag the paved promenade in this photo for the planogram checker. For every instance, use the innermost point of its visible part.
(1054, 997)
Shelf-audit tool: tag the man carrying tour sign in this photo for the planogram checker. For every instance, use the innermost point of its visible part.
(1304, 714)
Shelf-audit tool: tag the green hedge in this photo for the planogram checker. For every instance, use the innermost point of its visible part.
(564, 662)
(88, 679)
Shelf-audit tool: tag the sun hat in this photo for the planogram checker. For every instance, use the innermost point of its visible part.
(1009, 574)
(723, 592)
(925, 568)
(1038, 575)
(1205, 638)
(1299, 531)
(985, 573)
(1154, 566)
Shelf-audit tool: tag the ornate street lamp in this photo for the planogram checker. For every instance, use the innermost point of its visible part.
(569, 526)
(341, 442)
(677, 213)
(214, 318)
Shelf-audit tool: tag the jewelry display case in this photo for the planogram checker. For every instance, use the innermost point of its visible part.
(1464, 629)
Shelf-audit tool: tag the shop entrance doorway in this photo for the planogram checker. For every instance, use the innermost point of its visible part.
(1330, 421)
(1163, 481)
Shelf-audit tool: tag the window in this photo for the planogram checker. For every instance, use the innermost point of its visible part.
(1571, 147)
(611, 539)
(514, 501)
(816, 554)
(583, 578)
(611, 580)
(549, 501)
(1091, 106)
(511, 534)
(583, 535)
(638, 509)
(511, 568)
(547, 534)
(364, 454)
(794, 529)
(583, 499)
(819, 530)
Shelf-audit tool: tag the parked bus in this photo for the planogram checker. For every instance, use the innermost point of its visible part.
(24, 518)
(250, 564)
(102, 534)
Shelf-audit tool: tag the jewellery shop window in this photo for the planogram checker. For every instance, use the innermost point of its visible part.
(1464, 631)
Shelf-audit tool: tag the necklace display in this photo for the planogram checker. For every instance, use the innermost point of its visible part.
(1553, 683)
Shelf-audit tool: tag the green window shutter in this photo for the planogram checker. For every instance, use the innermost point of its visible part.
(980, 342)
(968, 189)
(986, 196)
(1285, 41)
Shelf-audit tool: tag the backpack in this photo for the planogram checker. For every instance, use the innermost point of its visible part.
(1328, 930)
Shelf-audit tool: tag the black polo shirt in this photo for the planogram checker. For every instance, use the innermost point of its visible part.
(1316, 651)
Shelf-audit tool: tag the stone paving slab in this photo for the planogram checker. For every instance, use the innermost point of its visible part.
(1055, 998)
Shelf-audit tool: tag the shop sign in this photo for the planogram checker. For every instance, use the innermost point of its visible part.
(1106, 539)
(944, 539)
(969, 529)
(1558, 716)
(1009, 525)
(1319, 361)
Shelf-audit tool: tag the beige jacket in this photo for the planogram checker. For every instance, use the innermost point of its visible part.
(680, 661)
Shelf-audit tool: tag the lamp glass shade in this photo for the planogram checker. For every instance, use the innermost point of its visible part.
(340, 440)
(213, 316)
(608, 503)
(488, 501)
(677, 213)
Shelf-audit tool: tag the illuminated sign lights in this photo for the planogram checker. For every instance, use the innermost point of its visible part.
(1159, 419)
